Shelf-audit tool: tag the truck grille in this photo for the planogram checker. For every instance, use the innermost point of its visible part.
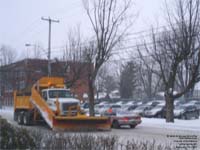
(65, 109)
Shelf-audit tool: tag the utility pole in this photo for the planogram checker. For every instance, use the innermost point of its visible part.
(1, 86)
(49, 43)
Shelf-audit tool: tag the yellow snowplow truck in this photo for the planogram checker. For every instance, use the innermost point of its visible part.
(50, 101)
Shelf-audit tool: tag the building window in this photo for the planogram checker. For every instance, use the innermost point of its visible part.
(21, 74)
(21, 84)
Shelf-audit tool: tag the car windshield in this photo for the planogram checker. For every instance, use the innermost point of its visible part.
(149, 103)
(116, 106)
(106, 106)
(100, 106)
(157, 107)
(60, 94)
(123, 113)
(125, 106)
(140, 108)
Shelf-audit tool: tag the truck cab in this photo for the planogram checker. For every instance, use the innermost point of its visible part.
(64, 98)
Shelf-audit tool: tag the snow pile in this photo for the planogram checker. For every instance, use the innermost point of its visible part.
(5, 111)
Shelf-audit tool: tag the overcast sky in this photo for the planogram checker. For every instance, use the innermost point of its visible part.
(21, 21)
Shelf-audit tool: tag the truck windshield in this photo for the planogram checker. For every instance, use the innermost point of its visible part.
(60, 94)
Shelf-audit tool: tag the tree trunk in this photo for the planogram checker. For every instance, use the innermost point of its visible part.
(169, 108)
(91, 97)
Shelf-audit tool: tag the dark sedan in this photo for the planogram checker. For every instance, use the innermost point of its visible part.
(157, 112)
(186, 112)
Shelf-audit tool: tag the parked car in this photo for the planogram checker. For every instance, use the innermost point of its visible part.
(85, 105)
(130, 102)
(139, 103)
(120, 102)
(115, 108)
(96, 112)
(194, 102)
(140, 109)
(134, 102)
(179, 102)
(121, 118)
(155, 103)
(102, 108)
(186, 112)
(157, 111)
(129, 107)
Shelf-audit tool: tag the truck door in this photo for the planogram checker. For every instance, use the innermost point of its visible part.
(44, 95)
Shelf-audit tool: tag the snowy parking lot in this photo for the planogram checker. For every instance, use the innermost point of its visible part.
(151, 129)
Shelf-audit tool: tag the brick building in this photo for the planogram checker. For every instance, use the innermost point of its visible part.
(23, 74)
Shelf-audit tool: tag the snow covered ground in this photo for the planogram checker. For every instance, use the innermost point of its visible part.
(151, 129)
(191, 125)
(6, 112)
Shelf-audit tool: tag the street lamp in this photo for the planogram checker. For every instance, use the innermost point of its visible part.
(38, 46)
(34, 45)
(27, 44)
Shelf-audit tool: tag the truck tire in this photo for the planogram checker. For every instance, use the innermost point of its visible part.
(20, 118)
(26, 118)
(133, 126)
(15, 116)
(115, 124)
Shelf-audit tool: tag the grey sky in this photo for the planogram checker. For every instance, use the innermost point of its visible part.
(21, 21)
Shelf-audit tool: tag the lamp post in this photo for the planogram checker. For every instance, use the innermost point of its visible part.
(27, 45)
(45, 51)
(36, 46)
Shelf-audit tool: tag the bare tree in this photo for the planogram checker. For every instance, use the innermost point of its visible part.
(99, 83)
(38, 50)
(183, 76)
(7, 55)
(73, 55)
(150, 82)
(108, 19)
(105, 81)
(177, 44)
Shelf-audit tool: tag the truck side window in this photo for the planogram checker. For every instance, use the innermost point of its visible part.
(44, 95)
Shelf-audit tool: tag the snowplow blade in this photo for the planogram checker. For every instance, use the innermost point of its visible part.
(81, 123)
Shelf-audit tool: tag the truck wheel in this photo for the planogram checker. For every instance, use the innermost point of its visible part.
(15, 116)
(115, 124)
(26, 118)
(133, 126)
(20, 118)
(159, 116)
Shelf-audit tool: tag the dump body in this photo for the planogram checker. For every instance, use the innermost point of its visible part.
(22, 102)
(60, 113)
